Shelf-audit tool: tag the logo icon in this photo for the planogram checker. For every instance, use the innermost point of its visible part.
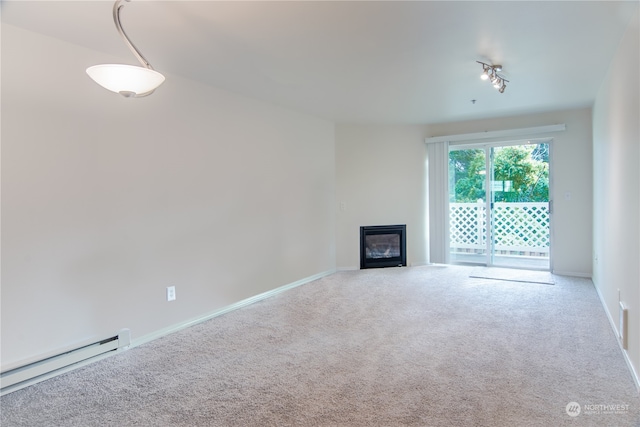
(573, 409)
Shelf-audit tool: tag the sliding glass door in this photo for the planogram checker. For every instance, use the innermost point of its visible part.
(499, 210)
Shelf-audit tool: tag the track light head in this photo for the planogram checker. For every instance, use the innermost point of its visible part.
(485, 72)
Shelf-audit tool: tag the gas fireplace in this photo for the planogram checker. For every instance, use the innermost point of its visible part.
(383, 246)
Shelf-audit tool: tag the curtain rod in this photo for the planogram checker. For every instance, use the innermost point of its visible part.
(497, 134)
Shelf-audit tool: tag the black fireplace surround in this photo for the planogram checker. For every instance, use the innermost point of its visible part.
(383, 246)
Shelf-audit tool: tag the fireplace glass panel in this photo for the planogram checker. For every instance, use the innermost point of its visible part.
(382, 246)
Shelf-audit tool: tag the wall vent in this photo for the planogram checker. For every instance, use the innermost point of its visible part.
(35, 372)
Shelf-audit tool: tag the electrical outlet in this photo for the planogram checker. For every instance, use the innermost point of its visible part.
(171, 293)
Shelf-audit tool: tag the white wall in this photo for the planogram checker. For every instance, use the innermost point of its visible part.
(571, 172)
(107, 200)
(616, 147)
(380, 180)
(380, 177)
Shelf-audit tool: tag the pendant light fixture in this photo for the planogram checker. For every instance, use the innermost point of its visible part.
(130, 81)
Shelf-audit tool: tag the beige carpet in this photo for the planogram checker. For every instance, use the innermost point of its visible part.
(418, 346)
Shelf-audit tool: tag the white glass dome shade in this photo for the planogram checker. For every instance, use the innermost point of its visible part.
(127, 80)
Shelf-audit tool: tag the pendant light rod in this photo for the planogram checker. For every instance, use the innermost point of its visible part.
(116, 18)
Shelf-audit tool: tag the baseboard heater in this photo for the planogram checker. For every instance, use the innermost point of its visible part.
(35, 372)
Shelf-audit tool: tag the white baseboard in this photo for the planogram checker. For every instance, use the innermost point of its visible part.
(572, 273)
(634, 373)
(175, 328)
(419, 263)
(348, 268)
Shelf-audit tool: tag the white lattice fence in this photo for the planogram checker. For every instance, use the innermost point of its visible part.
(467, 225)
(518, 227)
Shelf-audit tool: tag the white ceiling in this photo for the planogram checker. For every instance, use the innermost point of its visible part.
(360, 61)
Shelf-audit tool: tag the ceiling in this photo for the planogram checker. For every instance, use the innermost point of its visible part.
(360, 61)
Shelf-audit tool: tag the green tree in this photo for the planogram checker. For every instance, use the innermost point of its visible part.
(527, 176)
(466, 175)
(522, 171)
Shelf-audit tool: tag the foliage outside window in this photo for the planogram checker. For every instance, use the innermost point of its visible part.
(521, 174)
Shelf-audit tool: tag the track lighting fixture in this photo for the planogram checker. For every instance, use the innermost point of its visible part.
(490, 72)
(129, 81)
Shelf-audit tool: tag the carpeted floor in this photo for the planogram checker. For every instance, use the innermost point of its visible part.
(418, 346)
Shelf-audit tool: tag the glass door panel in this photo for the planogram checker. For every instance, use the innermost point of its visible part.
(467, 206)
(520, 216)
